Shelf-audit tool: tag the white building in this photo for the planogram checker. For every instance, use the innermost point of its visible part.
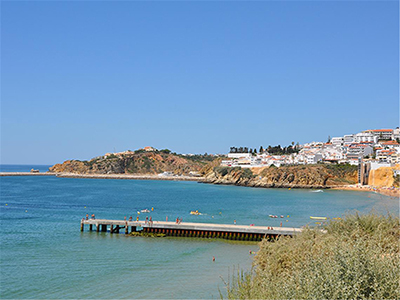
(313, 158)
(382, 134)
(356, 151)
(239, 155)
(337, 141)
(365, 137)
(348, 139)
(396, 133)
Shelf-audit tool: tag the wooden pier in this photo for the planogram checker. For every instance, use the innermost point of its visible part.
(184, 229)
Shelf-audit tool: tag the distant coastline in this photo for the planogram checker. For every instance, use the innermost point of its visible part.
(106, 176)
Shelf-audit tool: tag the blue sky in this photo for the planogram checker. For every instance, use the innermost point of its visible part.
(79, 79)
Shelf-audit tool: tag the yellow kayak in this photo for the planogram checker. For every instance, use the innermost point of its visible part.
(318, 218)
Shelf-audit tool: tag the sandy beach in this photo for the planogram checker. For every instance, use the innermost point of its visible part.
(391, 192)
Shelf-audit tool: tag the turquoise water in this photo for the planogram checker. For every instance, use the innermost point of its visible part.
(44, 255)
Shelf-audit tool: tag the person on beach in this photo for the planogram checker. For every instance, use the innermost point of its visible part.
(213, 258)
(180, 221)
(124, 218)
(234, 222)
(166, 218)
(177, 221)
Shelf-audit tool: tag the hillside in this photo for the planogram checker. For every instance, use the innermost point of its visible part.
(317, 176)
(138, 162)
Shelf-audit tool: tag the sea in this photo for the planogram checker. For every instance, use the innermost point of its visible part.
(45, 256)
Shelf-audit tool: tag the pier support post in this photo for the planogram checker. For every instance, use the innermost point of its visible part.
(133, 228)
(90, 227)
(82, 226)
(97, 227)
(111, 228)
(126, 228)
(104, 228)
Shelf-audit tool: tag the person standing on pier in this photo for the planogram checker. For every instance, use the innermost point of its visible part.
(147, 220)
(87, 216)
(234, 222)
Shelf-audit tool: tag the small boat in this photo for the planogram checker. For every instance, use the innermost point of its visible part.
(318, 218)
(195, 212)
(144, 211)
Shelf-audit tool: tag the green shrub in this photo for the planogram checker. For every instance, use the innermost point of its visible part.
(247, 173)
(356, 258)
(221, 170)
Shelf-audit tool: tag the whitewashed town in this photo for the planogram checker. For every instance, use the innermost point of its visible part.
(380, 147)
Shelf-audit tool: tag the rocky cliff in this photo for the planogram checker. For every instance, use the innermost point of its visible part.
(310, 176)
(383, 177)
(136, 163)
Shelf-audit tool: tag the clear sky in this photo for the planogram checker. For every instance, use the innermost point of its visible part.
(79, 79)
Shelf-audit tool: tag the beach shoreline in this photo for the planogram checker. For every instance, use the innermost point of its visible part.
(390, 192)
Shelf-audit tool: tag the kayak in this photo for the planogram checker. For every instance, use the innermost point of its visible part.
(318, 218)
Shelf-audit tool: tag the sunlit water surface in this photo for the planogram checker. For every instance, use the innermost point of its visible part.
(44, 255)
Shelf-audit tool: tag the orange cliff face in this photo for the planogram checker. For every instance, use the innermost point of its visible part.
(382, 177)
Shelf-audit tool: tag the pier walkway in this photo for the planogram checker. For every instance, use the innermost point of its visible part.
(185, 229)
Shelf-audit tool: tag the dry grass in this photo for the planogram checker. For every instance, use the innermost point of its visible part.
(358, 257)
